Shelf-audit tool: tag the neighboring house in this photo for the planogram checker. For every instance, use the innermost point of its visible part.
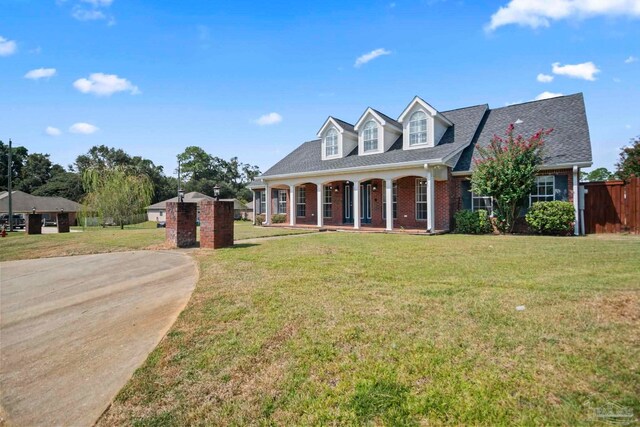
(421, 162)
(157, 212)
(49, 207)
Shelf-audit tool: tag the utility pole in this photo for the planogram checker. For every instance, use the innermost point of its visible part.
(9, 188)
(179, 181)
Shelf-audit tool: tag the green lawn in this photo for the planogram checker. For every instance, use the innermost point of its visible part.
(92, 240)
(351, 329)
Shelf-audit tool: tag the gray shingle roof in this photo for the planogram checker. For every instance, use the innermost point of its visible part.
(24, 203)
(345, 125)
(307, 157)
(388, 119)
(568, 143)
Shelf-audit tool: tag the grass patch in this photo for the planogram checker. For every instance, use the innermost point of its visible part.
(350, 329)
(93, 240)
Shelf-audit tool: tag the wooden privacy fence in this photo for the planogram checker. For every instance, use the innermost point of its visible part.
(612, 206)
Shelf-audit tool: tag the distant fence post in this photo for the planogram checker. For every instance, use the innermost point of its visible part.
(181, 224)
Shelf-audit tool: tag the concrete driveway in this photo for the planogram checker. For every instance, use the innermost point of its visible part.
(74, 329)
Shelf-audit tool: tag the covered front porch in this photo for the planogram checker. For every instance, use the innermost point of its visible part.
(419, 202)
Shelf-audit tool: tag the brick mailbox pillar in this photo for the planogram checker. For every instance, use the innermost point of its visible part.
(34, 224)
(216, 224)
(181, 224)
(63, 222)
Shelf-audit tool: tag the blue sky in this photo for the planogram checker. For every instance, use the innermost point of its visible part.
(153, 77)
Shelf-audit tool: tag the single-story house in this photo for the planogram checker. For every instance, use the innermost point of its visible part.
(422, 162)
(49, 207)
(158, 211)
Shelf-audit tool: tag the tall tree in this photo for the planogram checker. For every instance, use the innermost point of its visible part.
(116, 193)
(62, 184)
(629, 161)
(506, 171)
(36, 172)
(18, 157)
(599, 174)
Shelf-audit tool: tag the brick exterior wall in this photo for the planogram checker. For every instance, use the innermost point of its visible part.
(311, 213)
(216, 224)
(63, 222)
(181, 224)
(407, 204)
(34, 224)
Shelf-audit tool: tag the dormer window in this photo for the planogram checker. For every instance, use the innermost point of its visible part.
(331, 143)
(418, 128)
(370, 136)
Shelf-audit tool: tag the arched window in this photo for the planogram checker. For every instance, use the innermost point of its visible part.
(331, 143)
(418, 128)
(370, 136)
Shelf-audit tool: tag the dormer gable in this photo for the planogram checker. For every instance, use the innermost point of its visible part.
(376, 132)
(337, 137)
(422, 125)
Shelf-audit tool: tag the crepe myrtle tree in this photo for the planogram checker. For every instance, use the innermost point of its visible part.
(116, 193)
(506, 170)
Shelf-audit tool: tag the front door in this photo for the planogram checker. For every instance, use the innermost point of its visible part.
(365, 203)
(348, 204)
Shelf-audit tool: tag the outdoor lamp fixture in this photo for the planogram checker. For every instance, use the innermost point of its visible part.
(375, 187)
(181, 195)
(33, 211)
(336, 189)
(216, 192)
(61, 210)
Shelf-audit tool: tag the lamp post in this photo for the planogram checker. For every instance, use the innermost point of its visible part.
(216, 192)
(181, 195)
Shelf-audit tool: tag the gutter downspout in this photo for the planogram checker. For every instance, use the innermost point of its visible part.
(576, 207)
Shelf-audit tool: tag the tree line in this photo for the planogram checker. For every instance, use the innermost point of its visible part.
(36, 174)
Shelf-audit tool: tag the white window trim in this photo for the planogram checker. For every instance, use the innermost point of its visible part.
(263, 202)
(380, 131)
(338, 144)
(474, 196)
(426, 129)
(327, 190)
(281, 201)
(418, 180)
(537, 195)
(301, 191)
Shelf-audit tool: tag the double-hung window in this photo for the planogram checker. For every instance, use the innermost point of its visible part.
(418, 128)
(331, 143)
(282, 202)
(482, 202)
(262, 206)
(421, 199)
(543, 190)
(301, 202)
(370, 136)
(395, 202)
(326, 202)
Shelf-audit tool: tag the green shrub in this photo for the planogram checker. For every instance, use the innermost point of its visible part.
(470, 222)
(278, 218)
(551, 217)
(259, 219)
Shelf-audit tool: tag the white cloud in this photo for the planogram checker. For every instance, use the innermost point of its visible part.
(98, 3)
(50, 130)
(540, 13)
(586, 70)
(361, 60)
(40, 73)
(630, 60)
(547, 95)
(87, 14)
(627, 126)
(7, 47)
(83, 128)
(617, 80)
(101, 84)
(269, 119)
(544, 78)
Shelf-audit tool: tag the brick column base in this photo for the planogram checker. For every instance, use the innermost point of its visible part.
(216, 224)
(63, 222)
(181, 224)
(34, 224)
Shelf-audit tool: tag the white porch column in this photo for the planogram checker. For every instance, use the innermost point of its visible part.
(431, 198)
(576, 203)
(319, 188)
(388, 188)
(292, 205)
(268, 201)
(356, 204)
(253, 193)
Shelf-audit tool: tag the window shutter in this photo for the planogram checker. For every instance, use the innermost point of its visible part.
(465, 192)
(561, 190)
